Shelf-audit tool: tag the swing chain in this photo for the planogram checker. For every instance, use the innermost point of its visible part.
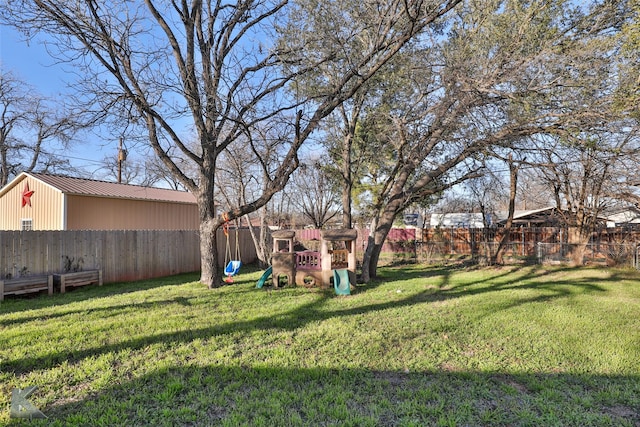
(225, 226)
(225, 229)
(238, 243)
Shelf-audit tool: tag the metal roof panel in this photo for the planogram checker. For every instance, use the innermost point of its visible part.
(91, 187)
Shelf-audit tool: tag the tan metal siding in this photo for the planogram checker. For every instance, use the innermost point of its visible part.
(45, 209)
(100, 213)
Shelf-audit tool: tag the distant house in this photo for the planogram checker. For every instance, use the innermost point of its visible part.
(458, 220)
(544, 217)
(413, 220)
(628, 217)
(34, 201)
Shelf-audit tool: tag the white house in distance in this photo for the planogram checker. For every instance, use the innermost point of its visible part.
(543, 217)
(414, 220)
(457, 220)
(35, 201)
(627, 217)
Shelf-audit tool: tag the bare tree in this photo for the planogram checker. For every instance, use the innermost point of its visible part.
(451, 202)
(316, 197)
(241, 178)
(532, 191)
(130, 171)
(220, 69)
(156, 172)
(487, 193)
(33, 133)
(588, 174)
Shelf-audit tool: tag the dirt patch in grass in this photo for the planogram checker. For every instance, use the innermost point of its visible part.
(396, 379)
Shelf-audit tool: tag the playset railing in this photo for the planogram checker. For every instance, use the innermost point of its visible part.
(339, 258)
(308, 260)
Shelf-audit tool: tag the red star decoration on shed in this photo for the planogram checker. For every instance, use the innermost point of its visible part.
(26, 195)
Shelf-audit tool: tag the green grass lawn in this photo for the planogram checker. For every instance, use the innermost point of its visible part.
(440, 346)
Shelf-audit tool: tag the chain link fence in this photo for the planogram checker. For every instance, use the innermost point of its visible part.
(611, 254)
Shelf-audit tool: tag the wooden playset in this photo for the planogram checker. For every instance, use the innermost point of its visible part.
(335, 262)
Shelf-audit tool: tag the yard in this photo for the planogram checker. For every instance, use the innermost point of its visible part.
(421, 346)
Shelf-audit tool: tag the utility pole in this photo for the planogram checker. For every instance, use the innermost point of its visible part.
(122, 156)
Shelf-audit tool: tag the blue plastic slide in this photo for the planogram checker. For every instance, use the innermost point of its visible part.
(341, 282)
(264, 277)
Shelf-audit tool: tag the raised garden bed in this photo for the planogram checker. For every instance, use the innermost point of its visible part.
(26, 285)
(63, 281)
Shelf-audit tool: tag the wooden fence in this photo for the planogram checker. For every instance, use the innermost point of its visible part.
(610, 244)
(522, 241)
(143, 254)
(121, 255)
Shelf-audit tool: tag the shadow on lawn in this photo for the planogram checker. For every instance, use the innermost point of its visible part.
(244, 395)
(314, 311)
(108, 310)
(19, 303)
(251, 395)
(439, 285)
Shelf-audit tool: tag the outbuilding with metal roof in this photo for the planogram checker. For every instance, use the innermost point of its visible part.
(35, 201)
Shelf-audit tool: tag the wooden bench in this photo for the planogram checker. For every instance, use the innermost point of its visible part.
(78, 278)
(25, 285)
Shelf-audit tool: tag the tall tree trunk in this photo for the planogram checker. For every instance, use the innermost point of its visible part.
(210, 273)
(378, 232)
(350, 127)
(498, 257)
(369, 253)
(578, 239)
(382, 222)
(347, 183)
(260, 240)
(209, 270)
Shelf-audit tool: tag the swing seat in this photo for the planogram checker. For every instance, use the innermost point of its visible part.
(232, 268)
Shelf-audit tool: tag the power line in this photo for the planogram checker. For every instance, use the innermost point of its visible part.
(97, 162)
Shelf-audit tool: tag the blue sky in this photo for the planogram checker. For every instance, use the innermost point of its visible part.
(32, 64)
